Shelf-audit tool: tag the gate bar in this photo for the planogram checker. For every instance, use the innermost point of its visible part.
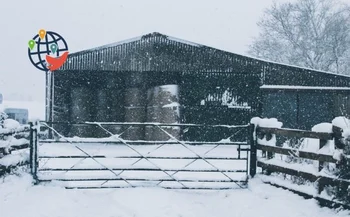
(184, 145)
(87, 154)
(148, 123)
(144, 169)
(142, 157)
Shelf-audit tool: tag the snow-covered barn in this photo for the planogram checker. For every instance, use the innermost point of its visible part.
(158, 78)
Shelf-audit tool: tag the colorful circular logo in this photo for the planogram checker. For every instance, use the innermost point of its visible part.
(47, 50)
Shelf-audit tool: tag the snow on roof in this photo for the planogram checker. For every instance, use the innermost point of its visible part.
(200, 45)
(183, 41)
(116, 43)
(288, 87)
(295, 66)
(139, 38)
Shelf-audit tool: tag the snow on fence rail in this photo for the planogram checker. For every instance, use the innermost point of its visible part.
(13, 150)
(265, 142)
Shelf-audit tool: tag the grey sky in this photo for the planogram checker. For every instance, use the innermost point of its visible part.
(225, 24)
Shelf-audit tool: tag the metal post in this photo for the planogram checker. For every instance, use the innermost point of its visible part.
(31, 147)
(253, 151)
(52, 89)
(34, 150)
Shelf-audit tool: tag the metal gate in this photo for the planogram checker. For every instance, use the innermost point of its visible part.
(116, 162)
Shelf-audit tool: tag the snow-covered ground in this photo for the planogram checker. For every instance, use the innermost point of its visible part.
(115, 159)
(18, 197)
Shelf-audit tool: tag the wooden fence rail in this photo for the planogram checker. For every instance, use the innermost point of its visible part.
(20, 145)
(282, 167)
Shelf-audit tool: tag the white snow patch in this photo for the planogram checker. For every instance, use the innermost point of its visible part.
(341, 122)
(183, 41)
(11, 124)
(266, 122)
(313, 145)
(10, 141)
(114, 44)
(54, 201)
(323, 128)
(14, 159)
(338, 154)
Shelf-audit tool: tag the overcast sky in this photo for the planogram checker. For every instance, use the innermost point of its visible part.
(225, 24)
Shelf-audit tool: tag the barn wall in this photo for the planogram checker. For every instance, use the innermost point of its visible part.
(314, 108)
(215, 86)
(304, 109)
(281, 105)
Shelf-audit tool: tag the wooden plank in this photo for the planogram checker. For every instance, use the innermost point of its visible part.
(309, 176)
(8, 132)
(19, 147)
(322, 143)
(5, 150)
(296, 133)
(8, 169)
(322, 201)
(275, 168)
(298, 153)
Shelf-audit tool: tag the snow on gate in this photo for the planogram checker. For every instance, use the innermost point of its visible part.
(113, 162)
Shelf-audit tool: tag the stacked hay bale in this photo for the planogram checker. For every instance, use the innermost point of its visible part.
(162, 107)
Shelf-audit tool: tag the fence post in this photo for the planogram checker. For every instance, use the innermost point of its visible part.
(253, 154)
(342, 165)
(321, 183)
(34, 150)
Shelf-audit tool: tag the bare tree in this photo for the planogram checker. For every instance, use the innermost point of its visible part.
(308, 33)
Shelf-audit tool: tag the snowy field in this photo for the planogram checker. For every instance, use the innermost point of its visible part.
(19, 198)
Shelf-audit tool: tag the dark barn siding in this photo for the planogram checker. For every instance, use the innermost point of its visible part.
(314, 108)
(303, 109)
(283, 106)
(203, 75)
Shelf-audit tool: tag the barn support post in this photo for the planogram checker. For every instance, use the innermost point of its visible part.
(253, 150)
(49, 99)
(34, 149)
(31, 146)
(47, 96)
(52, 85)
